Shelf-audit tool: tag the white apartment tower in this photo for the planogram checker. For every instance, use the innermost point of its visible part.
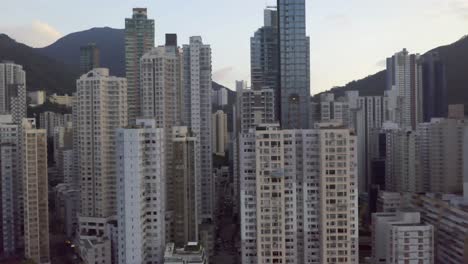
(36, 210)
(291, 205)
(161, 90)
(13, 90)
(141, 190)
(400, 237)
(101, 109)
(197, 115)
(404, 89)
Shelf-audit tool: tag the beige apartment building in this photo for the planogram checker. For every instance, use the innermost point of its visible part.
(36, 210)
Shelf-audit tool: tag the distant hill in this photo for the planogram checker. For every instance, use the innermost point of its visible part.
(455, 57)
(42, 72)
(110, 41)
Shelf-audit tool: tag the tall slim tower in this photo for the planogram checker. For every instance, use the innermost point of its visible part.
(89, 58)
(101, 109)
(141, 193)
(294, 64)
(36, 210)
(197, 96)
(161, 90)
(185, 227)
(139, 39)
(264, 56)
(10, 230)
(404, 89)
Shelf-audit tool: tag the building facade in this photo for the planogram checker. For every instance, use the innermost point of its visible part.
(287, 202)
(141, 193)
(89, 58)
(294, 54)
(197, 115)
(139, 39)
(405, 89)
(11, 227)
(220, 133)
(36, 208)
(13, 90)
(400, 237)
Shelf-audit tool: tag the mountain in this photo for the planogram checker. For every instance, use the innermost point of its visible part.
(455, 57)
(110, 41)
(42, 72)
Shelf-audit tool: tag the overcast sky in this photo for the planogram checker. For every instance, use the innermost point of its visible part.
(349, 38)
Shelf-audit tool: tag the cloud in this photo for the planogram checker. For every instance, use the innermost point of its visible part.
(223, 74)
(382, 63)
(37, 34)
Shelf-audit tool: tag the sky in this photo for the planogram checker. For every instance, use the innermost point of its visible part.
(350, 39)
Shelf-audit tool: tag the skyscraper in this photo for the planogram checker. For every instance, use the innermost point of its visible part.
(289, 196)
(141, 193)
(162, 100)
(10, 230)
(89, 58)
(197, 97)
(404, 89)
(264, 56)
(220, 133)
(13, 90)
(36, 209)
(294, 64)
(434, 85)
(139, 39)
(339, 223)
(101, 108)
(185, 218)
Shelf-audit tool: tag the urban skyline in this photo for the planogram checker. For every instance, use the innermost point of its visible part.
(331, 25)
(163, 165)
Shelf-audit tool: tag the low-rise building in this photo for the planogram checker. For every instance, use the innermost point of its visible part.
(192, 253)
(400, 237)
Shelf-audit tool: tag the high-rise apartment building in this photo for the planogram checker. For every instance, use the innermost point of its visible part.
(139, 39)
(449, 215)
(13, 90)
(405, 89)
(10, 230)
(290, 202)
(197, 116)
(36, 208)
(101, 109)
(254, 107)
(185, 217)
(89, 58)
(400, 237)
(429, 158)
(446, 155)
(162, 100)
(50, 120)
(220, 133)
(141, 193)
(338, 196)
(294, 64)
(370, 117)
